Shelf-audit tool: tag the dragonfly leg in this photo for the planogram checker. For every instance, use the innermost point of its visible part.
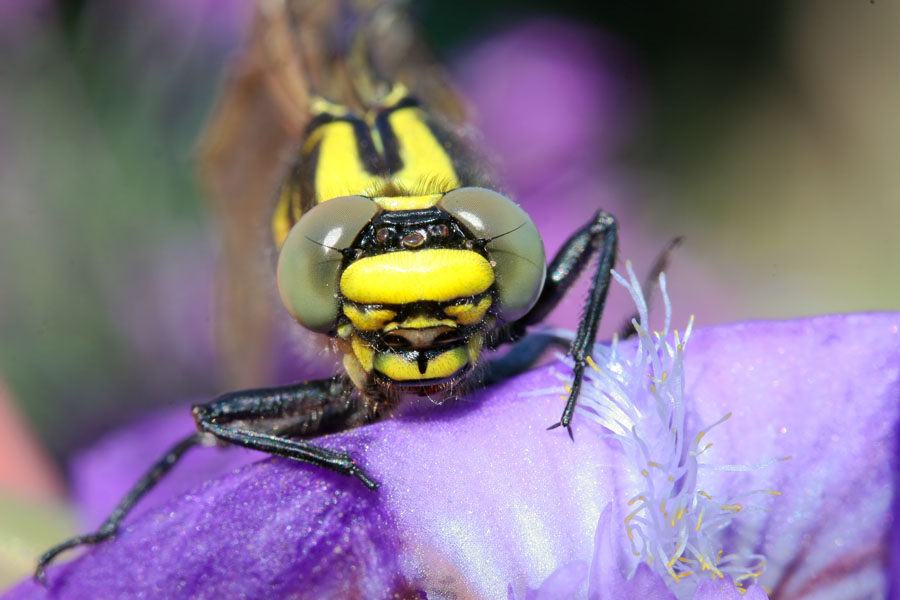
(257, 419)
(599, 236)
(521, 357)
(231, 419)
(111, 525)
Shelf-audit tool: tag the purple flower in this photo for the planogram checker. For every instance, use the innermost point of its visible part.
(477, 500)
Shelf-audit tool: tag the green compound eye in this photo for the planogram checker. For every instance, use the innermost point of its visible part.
(310, 259)
(517, 250)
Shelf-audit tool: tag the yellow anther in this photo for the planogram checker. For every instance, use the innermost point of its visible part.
(734, 507)
(785, 458)
(632, 515)
(651, 463)
(686, 573)
(772, 492)
(662, 506)
(593, 365)
(679, 514)
(671, 479)
(672, 522)
(568, 389)
(645, 473)
(635, 499)
(704, 494)
(699, 521)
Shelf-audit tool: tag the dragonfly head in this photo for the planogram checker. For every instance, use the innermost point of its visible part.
(410, 294)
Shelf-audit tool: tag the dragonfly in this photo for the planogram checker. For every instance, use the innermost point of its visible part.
(392, 239)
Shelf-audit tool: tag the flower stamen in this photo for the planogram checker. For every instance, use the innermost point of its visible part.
(641, 401)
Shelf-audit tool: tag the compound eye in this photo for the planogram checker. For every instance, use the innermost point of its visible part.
(310, 259)
(514, 245)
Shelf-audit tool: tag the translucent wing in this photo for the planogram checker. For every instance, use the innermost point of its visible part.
(347, 51)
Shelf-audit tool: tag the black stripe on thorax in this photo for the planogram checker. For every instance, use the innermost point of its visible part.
(388, 137)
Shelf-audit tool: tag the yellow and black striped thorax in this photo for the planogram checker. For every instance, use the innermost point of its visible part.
(400, 155)
(388, 245)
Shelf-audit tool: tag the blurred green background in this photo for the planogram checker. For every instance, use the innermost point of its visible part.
(766, 132)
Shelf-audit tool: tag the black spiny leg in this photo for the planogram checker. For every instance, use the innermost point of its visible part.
(111, 525)
(257, 419)
(597, 236)
(230, 419)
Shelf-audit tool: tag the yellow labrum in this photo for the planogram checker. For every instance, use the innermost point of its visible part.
(396, 367)
(420, 322)
(340, 170)
(424, 158)
(434, 274)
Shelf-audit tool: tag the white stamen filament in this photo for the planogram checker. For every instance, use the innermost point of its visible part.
(673, 525)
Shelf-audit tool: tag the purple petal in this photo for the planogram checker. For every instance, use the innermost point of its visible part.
(607, 578)
(563, 583)
(723, 589)
(645, 584)
(477, 497)
(103, 474)
(823, 391)
(268, 531)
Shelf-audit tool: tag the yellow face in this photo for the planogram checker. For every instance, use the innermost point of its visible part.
(411, 294)
(412, 271)
(415, 317)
